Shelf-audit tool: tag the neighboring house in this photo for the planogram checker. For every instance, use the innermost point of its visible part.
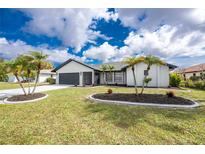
(73, 72)
(44, 74)
(12, 78)
(195, 70)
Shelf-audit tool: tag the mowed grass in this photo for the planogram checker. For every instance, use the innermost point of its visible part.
(67, 117)
(6, 85)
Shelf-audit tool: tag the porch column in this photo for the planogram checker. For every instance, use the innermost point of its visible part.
(113, 77)
(93, 77)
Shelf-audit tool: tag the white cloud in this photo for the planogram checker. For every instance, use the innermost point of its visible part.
(187, 19)
(159, 43)
(104, 52)
(71, 26)
(11, 49)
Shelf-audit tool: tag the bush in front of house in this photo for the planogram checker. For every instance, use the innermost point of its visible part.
(174, 80)
(199, 84)
(109, 91)
(193, 84)
(51, 80)
(195, 78)
(170, 94)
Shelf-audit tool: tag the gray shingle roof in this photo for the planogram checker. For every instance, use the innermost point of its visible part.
(118, 66)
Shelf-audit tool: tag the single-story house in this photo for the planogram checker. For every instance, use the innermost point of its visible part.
(73, 72)
(12, 78)
(195, 70)
(44, 74)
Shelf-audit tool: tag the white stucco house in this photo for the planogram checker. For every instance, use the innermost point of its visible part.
(44, 74)
(73, 72)
(12, 79)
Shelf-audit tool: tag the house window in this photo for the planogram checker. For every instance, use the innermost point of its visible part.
(194, 74)
(118, 77)
(108, 77)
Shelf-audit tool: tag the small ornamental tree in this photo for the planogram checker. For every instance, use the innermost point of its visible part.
(131, 62)
(149, 61)
(39, 59)
(28, 67)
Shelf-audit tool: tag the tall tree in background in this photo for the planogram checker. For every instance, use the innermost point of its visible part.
(3, 73)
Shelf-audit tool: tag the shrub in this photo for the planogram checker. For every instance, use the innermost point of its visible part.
(51, 80)
(193, 84)
(147, 80)
(195, 78)
(182, 84)
(174, 80)
(199, 84)
(189, 83)
(109, 91)
(170, 93)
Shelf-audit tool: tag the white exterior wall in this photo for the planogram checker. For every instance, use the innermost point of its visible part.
(13, 79)
(74, 67)
(159, 75)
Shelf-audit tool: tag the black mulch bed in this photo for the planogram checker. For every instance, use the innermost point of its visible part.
(144, 98)
(25, 97)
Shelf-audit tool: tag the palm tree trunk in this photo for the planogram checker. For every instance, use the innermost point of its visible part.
(143, 85)
(148, 68)
(37, 78)
(29, 86)
(21, 85)
(135, 82)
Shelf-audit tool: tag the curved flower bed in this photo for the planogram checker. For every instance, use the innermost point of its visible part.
(144, 99)
(25, 98)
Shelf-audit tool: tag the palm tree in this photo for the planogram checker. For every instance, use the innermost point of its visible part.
(150, 60)
(28, 67)
(132, 61)
(110, 68)
(15, 68)
(103, 68)
(40, 63)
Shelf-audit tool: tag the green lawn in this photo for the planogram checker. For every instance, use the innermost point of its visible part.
(66, 117)
(6, 85)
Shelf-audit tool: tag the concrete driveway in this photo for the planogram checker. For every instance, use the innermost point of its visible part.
(18, 91)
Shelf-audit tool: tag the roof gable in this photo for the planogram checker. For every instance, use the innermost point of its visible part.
(70, 60)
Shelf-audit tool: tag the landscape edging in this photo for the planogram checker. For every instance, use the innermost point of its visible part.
(143, 104)
(28, 101)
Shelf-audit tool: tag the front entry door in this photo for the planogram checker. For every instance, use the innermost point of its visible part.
(87, 78)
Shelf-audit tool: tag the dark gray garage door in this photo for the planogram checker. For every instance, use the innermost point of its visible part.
(69, 78)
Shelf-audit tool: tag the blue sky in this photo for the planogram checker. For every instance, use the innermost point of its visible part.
(104, 35)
